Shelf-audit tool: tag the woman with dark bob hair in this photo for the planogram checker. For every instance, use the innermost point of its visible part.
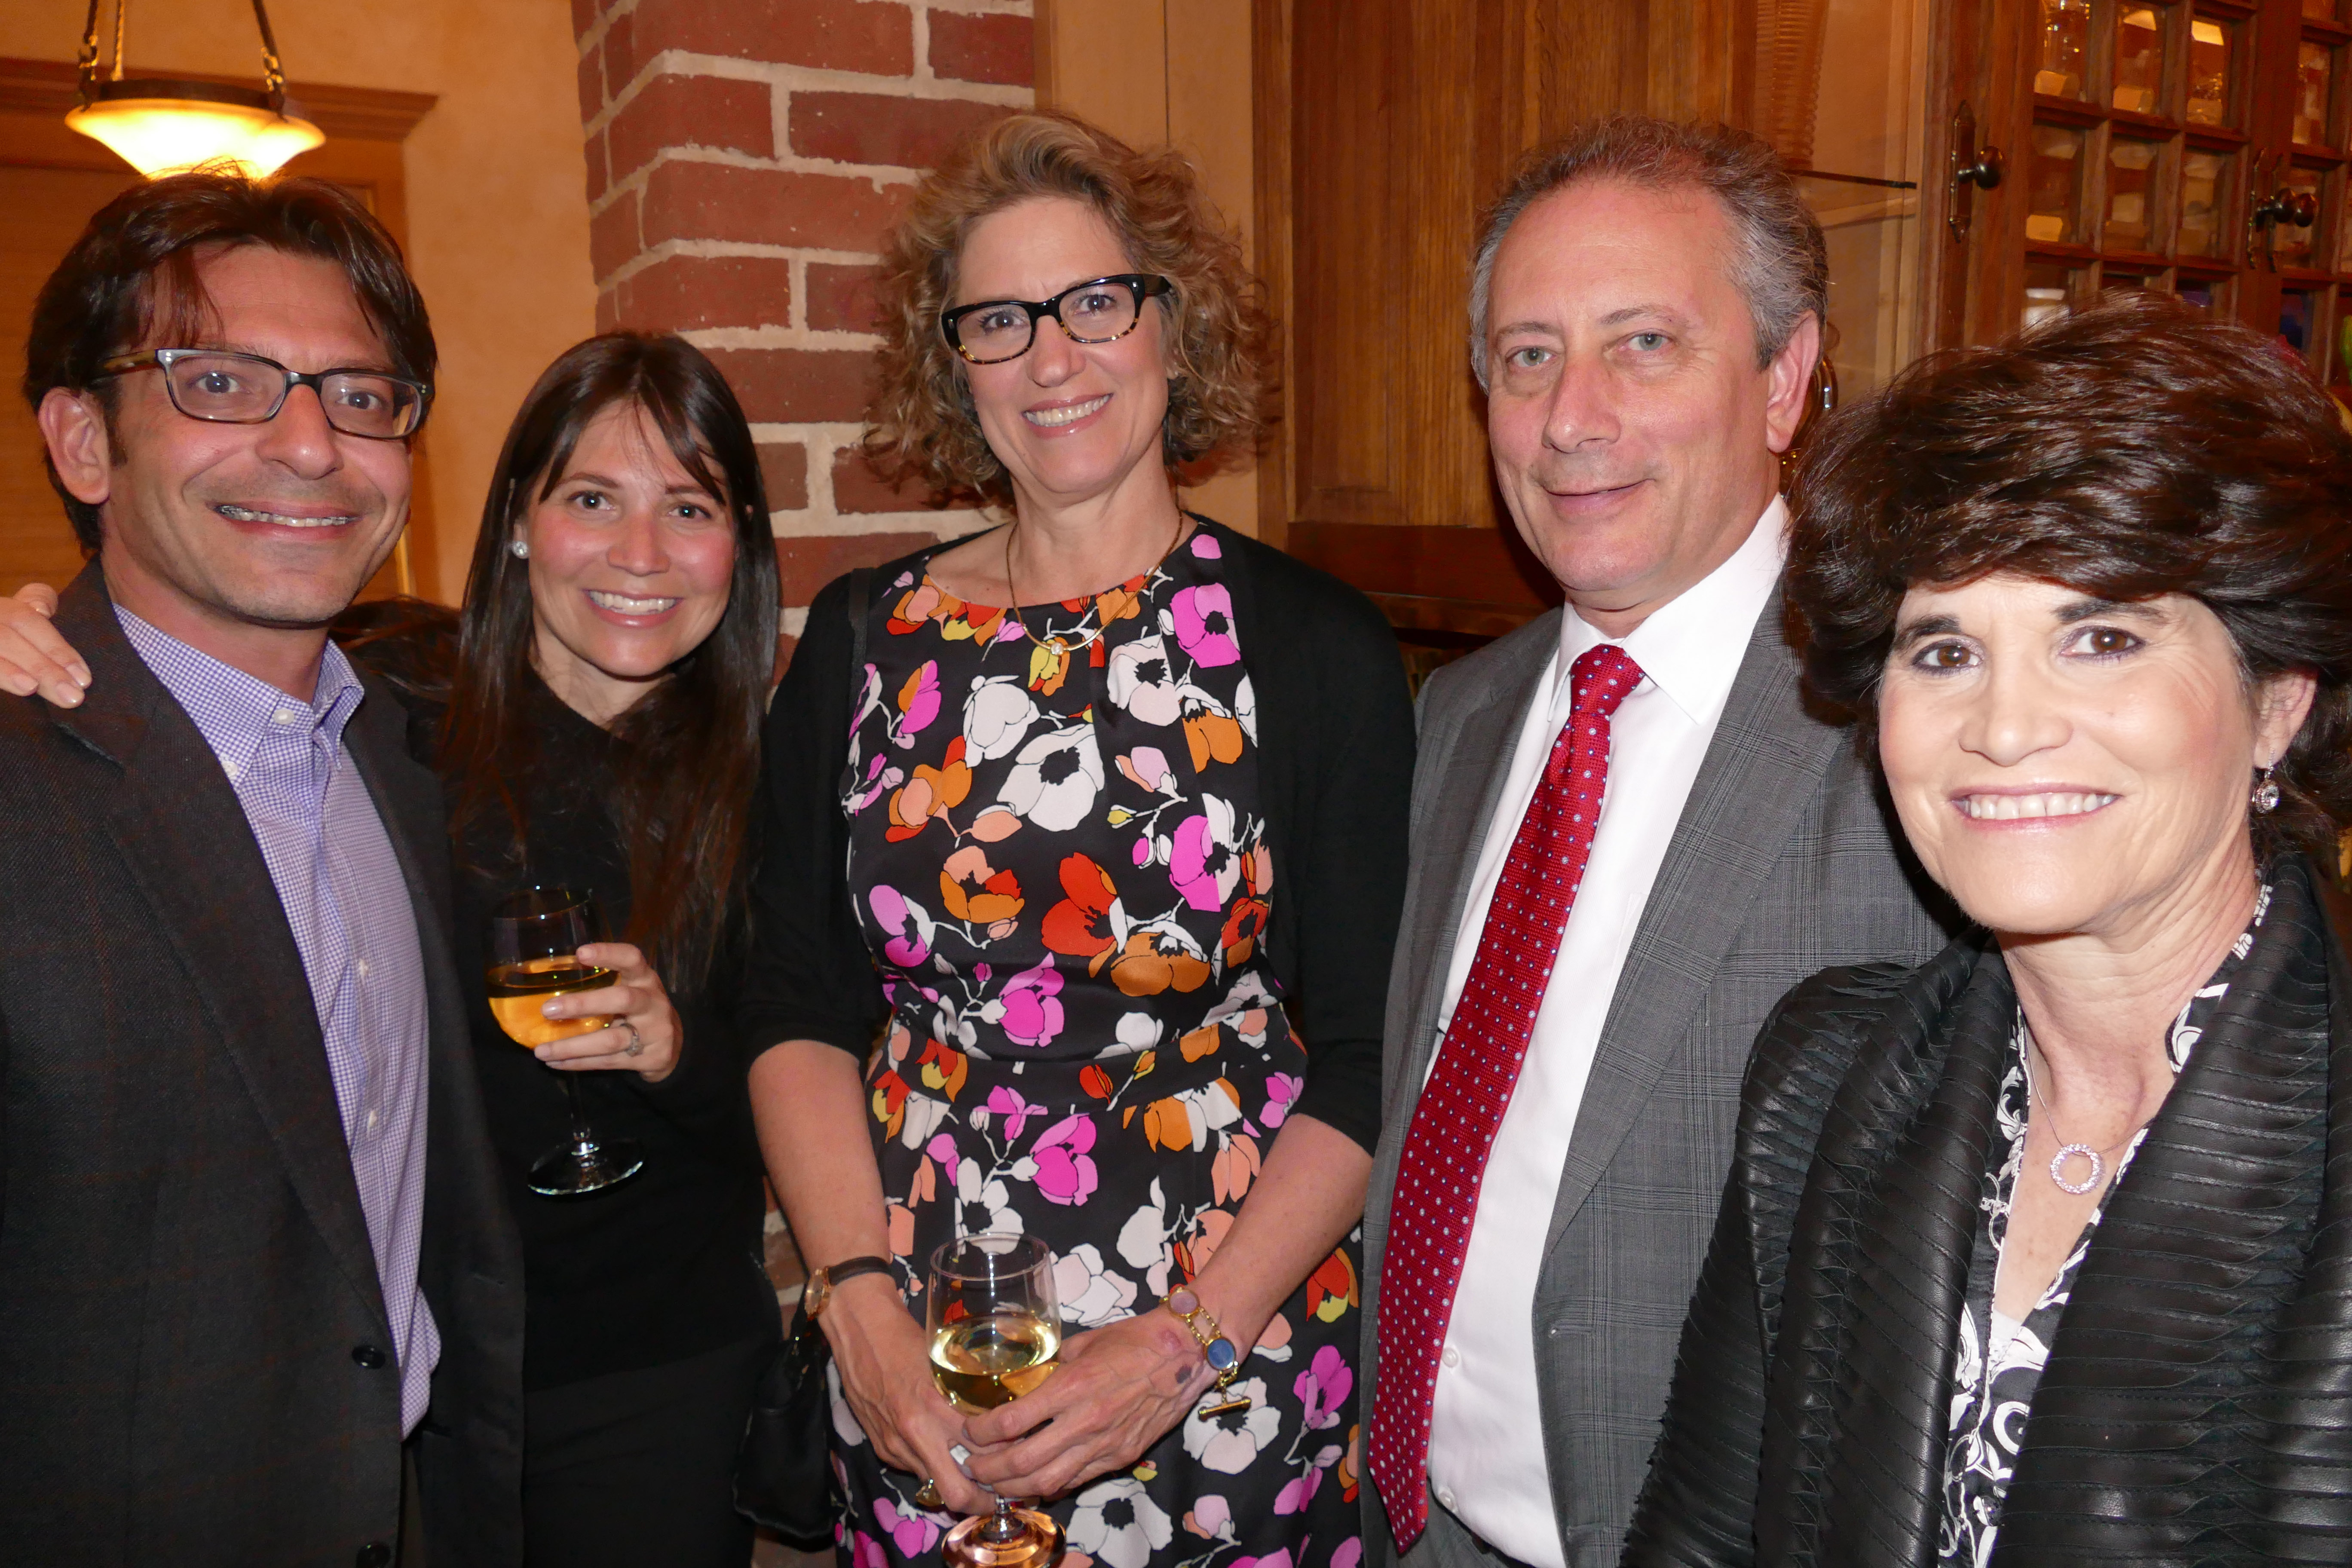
(2039, 1253)
(1097, 820)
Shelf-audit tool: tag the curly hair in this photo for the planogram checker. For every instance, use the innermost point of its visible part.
(922, 425)
(2135, 448)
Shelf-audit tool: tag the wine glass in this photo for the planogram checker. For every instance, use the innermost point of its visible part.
(536, 936)
(995, 1328)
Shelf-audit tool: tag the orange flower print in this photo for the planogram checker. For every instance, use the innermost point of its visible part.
(932, 792)
(1331, 1289)
(1245, 922)
(1212, 737)
(890, 1097)
(1202, 1042)
(1049, 666)
(1096, 1081)
(944, 1068)
(1156, 958)
(1234, 1168)
(1079, 925)
(976, 893)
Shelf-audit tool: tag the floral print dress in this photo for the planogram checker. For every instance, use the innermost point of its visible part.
(1998, 1362)
(1057, 853)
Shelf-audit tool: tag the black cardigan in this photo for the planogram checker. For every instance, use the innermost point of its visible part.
(2197, 1405)
(1335, 776)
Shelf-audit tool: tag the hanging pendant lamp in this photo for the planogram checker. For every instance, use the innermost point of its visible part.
(159, 126)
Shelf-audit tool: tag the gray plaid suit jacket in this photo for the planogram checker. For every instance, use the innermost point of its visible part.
(184, 1270)
(1785, 862)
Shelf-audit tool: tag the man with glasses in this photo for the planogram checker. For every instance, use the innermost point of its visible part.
(258, 1301)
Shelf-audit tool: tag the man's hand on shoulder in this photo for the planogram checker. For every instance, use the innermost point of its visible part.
(33, 656)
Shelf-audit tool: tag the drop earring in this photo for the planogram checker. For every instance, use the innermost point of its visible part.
(520, 549)
(2267, 792)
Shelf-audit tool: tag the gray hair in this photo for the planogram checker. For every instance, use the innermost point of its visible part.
(1778, 260)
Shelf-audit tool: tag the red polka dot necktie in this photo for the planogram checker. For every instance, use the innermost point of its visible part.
(1453, 1125)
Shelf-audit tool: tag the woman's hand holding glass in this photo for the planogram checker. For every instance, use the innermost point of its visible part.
(640, 1012)
(1120, 1388)
(885, 1360)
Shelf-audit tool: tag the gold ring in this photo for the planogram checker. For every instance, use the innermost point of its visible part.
(928, 1495)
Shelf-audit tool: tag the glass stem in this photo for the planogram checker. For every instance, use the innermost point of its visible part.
(583, 1142)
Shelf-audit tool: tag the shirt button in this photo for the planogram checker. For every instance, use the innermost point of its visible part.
(373, 1117)
(1446, 1496)
(284, 715)
(370, 1357)
(1452, 1356)
(363, 969)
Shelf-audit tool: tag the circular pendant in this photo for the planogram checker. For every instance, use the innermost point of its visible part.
(2058, 1164)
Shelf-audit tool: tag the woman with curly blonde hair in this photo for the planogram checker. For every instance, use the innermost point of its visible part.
(1102, 814)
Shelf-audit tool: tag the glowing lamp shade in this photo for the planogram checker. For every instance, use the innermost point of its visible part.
(160, 127)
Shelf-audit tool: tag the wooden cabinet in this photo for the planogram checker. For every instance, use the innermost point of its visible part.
(2196, 146)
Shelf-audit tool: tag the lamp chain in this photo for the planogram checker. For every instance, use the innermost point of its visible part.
(273, 74)
(87, 61)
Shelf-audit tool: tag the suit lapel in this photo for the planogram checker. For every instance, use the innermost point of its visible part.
(186, 846)
(1760, 772)
(1468, 793)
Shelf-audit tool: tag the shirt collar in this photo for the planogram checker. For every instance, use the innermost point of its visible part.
(233, 712)
(1692, 645)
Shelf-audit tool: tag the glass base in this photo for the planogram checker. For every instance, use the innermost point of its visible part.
(1032, 1540)
(578, 1168)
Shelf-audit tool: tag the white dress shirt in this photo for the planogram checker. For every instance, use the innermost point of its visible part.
(1486, 1462)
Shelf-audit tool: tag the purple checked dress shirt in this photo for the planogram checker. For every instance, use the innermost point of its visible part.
(349, 907)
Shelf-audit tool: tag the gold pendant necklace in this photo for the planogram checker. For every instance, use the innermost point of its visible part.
(1055, 644)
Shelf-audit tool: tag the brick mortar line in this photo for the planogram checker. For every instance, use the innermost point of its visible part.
(709, 338)
(718, 249)
(879, 175)
(808, 79)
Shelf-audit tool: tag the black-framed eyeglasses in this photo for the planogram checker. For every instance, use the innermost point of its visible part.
(232, 388)
(1099, 310)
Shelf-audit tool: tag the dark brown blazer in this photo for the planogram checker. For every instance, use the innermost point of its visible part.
(185, 1278)
(2197, 1405)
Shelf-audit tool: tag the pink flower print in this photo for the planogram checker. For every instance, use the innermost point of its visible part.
(1032, 1006)
(1146, 768)
(866, 1553)
(919, 702)
(1271, 1560)
(1204, 625)
(1203, 860)
(1324, 1387)
(942, 1148)
(1296, 1493)
(903, 922)
(1005, 1100)
(881, 777)
(1065, 1172)
(910, 1532)
(1350, 1553)
(1206, 547)
(1282, 1090)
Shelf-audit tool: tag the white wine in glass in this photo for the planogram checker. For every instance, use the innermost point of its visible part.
(536, 936)
(996, 1328)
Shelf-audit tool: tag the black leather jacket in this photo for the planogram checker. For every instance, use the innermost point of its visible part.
(2197, 1405)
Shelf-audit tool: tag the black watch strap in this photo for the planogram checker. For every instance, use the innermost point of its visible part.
(851, 1267)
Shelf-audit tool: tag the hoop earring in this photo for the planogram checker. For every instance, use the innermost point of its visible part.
(520, 549)
(2267, 792)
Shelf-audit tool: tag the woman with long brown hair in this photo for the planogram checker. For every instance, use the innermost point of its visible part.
(595, 712)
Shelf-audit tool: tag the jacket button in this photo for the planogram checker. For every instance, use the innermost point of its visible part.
(373, 1360)
(374, 1554)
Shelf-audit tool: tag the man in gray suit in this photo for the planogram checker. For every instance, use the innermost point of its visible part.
(1577, 990)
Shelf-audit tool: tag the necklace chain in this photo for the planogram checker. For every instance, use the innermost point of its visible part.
(1056, 645)
(2067, 1151)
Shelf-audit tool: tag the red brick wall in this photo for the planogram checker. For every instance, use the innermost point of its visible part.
(745, 158)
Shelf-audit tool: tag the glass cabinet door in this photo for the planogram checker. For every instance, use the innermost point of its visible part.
(2194, 146)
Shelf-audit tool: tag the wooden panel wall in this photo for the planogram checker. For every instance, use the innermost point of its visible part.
(1384, 129)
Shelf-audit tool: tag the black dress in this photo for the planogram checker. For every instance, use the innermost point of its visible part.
(1064, 856)
(648, 1313)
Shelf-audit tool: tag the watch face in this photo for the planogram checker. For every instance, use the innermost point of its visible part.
(820, 1286)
